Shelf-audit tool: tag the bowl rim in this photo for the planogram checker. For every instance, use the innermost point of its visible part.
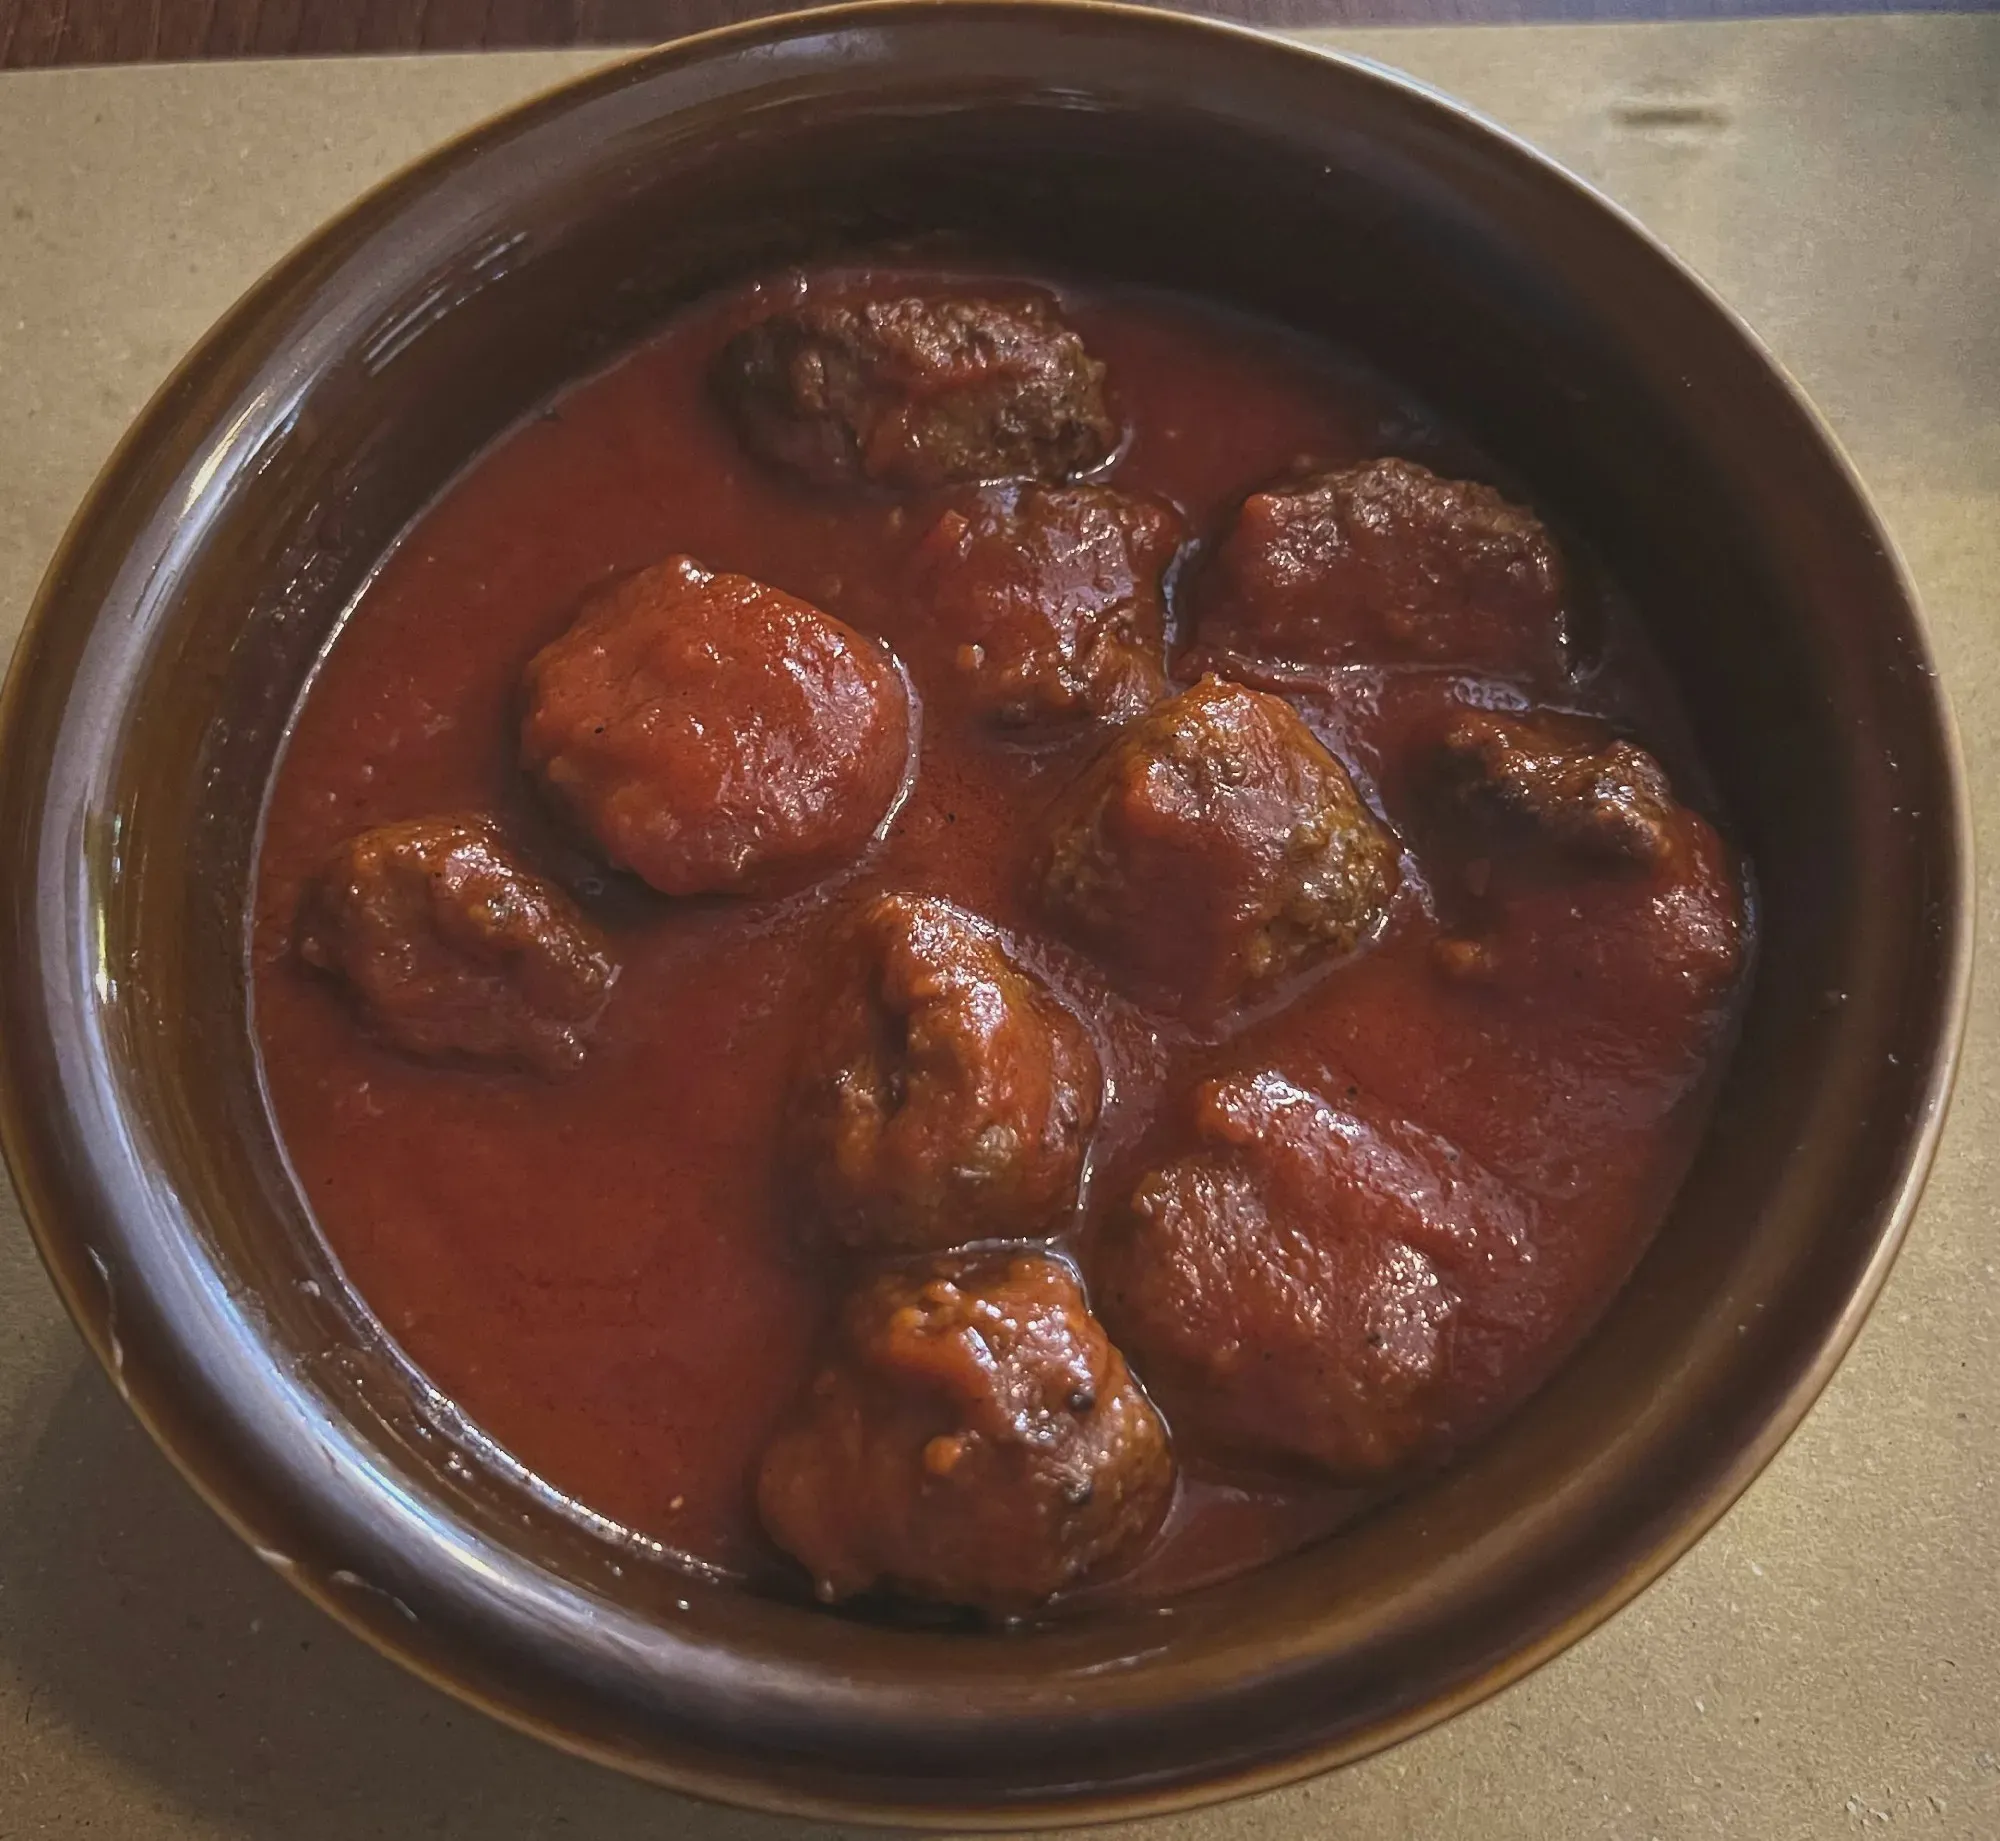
(51, 1201)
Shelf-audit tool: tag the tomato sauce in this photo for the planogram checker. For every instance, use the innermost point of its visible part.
(600, 1271)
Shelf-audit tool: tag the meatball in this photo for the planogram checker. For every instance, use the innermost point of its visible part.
(450, 947)
(1578, 872)
(1214, 846)
(919, 393)
(714, 735)
(1384, 562)
(1285, 1285)
(972, 1438)
(944, 1095)
(1049, 599)
(1606, 800)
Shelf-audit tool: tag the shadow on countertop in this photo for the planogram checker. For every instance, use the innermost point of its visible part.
(130, 1614)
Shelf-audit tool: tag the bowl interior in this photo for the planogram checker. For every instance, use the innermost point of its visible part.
(245, 513)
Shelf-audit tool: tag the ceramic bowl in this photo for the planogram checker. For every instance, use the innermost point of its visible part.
(245, 510)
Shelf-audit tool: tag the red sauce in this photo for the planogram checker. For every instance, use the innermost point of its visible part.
(600, 1271)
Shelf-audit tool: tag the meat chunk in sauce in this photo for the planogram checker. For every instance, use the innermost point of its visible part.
(918, 393)
(973, 1438)
(1602, 799)
(1285, 1285)
(451, 948)
(945, 1095)
(1384, 562)
(715, 735)
(1539, 801)
(1047, 603)
(1214, 847)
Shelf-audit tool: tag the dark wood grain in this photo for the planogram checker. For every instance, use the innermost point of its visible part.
(44, 32)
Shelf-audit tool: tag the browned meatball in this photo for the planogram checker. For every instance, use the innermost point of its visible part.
(1048, 600)
(972, 1438)
(917, 393)
(1387, 561)
(1605, 799)
(715, 735)
(450, 947)
(1574, 877)
(1214, 846)
(1284, 1285)
(945, 1095)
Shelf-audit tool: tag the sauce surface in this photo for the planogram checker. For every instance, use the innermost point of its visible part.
(602, 1271)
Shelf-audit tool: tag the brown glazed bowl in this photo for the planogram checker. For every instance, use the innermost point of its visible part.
(245, 510)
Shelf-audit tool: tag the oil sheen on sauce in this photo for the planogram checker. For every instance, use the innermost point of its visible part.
(600, 1271)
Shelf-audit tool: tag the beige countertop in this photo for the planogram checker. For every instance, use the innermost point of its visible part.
(1826, 1662)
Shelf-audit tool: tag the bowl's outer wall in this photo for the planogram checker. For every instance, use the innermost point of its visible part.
(243, 514)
